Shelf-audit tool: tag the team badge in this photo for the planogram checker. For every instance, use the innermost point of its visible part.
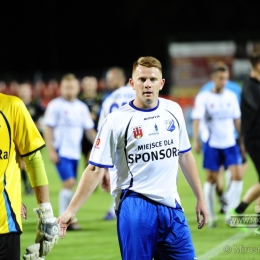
(137, 131)
(97, 143)
(169, 125)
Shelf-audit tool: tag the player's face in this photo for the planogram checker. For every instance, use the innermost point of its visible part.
(25, 93)
(113, 80)
(89, 85)
(69, 89)
(220, 79)
(147, 82)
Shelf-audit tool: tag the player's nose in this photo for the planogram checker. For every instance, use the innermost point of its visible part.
(147, 83)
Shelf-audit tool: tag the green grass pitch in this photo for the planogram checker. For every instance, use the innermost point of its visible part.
(98, 240)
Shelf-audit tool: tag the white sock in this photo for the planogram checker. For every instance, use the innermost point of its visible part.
(227, 178)
(65, 197)
(209, 193)
(233, 195)
(112, 207)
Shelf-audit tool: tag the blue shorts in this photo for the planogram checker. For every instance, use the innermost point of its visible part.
(67, 168)
(213, 158)
(147, 229)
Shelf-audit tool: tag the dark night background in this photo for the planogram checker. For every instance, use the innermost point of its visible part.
(70, 36)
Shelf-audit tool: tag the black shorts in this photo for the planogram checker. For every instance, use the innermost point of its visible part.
(10, 246)
(253, 149)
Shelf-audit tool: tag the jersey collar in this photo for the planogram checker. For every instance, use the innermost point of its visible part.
(131, 103)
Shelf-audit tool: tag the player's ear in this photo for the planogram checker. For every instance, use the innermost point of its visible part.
(162, 83)
(131, 82)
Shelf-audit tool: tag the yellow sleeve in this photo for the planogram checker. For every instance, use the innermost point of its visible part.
(36, 170)
(27, 137)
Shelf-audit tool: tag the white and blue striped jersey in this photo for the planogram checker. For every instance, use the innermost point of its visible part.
(143, 146)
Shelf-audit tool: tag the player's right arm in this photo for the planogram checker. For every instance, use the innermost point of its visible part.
(197, 113)
(48, 137)
(87, 184)
(196, 140)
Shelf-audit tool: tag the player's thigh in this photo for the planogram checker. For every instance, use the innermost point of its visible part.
(10, 246)
(232, 156)
(137, 228)
(67, 168)
(211, 159)
(177, 243)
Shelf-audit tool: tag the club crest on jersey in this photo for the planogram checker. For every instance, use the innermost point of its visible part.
(137, 131)
(169, 125)
(97, 143)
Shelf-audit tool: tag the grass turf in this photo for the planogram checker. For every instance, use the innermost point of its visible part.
(98, 238)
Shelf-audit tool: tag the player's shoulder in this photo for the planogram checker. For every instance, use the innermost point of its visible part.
(55, 102)
(168, 104)
(233, 85)
(10, 100)
(207, 86)
(124, 90)
(229, 92)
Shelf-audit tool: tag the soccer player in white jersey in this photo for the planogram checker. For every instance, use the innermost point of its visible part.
(115, 78)
(145, 141)
(66, 120)
(219, 110)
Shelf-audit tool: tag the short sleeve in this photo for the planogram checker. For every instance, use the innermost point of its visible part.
(51, 115)
(198, 111)
(27, 137)
(184, 145)
(87, 121)
(237, 111)
(103, 151)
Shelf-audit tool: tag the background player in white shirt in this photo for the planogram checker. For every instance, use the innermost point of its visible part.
(145, 141)
(66, 120)
(219, 110)
(116, 79)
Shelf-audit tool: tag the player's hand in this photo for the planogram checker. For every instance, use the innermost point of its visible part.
(23, 211)
(54, 157)
(32, 252)
(202, 214)
(48, 229)
(105, 182)
(197, 146)
(64, 220)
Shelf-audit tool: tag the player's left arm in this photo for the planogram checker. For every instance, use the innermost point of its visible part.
(237, 123)
(48, 230)
(189, 169)
(91, 134)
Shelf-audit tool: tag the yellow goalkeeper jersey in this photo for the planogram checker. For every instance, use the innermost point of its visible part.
(18, 137)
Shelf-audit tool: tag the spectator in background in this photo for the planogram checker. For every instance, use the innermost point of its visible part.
(92, 99)
(36, 110)
(66, 120)
(233, 86)
(250, 110)
(120, 96)
(219, 111)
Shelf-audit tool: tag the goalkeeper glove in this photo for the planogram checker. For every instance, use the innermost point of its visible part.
(48, 229)
(32, 252)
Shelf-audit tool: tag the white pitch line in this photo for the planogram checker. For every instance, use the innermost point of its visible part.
(219, 248)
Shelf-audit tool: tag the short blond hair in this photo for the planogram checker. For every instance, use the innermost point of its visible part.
(69, 76)
(147, 61)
